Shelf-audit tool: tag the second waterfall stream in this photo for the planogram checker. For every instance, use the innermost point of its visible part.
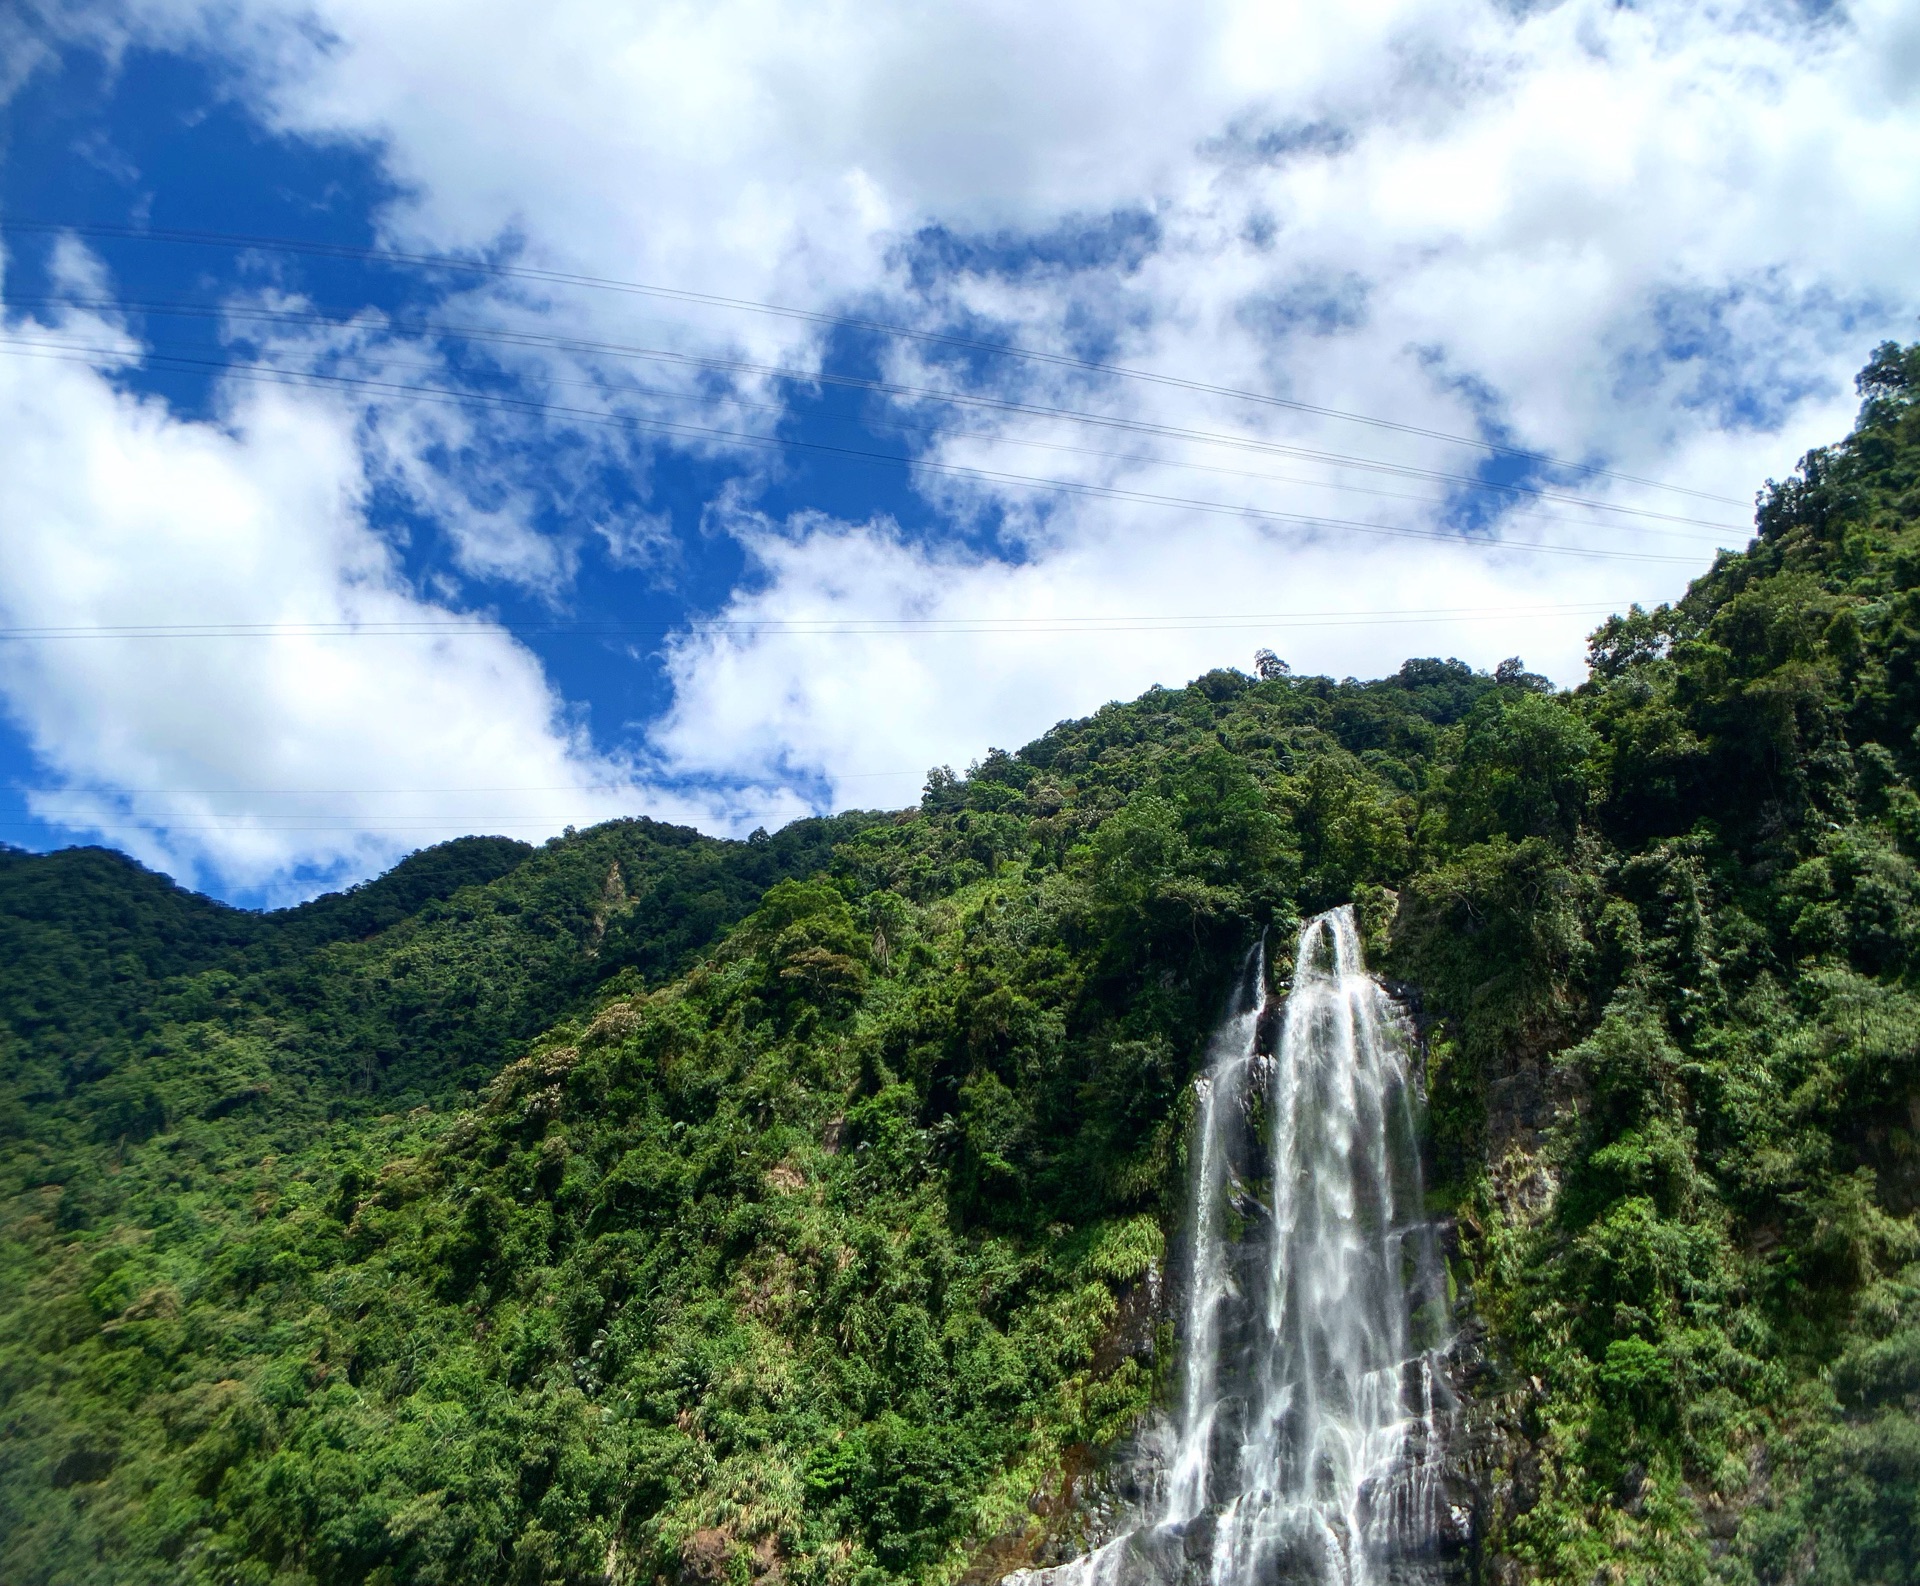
(1303, 1444)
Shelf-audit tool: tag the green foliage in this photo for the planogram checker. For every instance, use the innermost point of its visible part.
(805, 1260)
(1712, 982)
(646, 1207)
(1523, 770)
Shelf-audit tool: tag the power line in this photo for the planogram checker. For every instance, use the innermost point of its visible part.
(298, 817)
(106, 819)
(322, 824)
(530, 339)
(836, 627)
(1000, 438)
(810, 316)
(274, 374)
(350, 792)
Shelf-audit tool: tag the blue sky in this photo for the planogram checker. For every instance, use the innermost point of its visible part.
(1427, 328)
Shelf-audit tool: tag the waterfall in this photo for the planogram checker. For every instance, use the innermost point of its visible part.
(1305, 1433)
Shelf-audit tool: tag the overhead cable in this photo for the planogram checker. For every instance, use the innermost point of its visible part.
(528, 339)
(394, 256)
(828, 627)
(276, 374)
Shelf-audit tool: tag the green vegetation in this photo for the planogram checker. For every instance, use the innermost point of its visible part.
(646, 1207)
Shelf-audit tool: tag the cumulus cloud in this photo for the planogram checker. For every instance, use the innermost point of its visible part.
(861, 659)
(1652, 242)
(1655, 236)
(322, 739)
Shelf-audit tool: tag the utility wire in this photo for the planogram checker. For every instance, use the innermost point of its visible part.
(529, 339)
(213, 822)
(355, 792)
(834, 627)
(323, 824)
(275, 374)
(393, 256)
(210, 821)
(998, 437)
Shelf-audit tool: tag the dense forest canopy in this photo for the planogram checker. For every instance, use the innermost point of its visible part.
(648, 1207)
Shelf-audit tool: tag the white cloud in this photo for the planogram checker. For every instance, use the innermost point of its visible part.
(1528, 194)
(1657, 237)
(865, 659)
(248, 759)
(1664, 243)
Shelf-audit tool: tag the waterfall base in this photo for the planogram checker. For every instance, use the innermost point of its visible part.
(1116, 1509)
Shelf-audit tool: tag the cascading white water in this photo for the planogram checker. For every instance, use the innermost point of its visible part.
(1306, 1430)
(1212, 1289)
(1332, 1468)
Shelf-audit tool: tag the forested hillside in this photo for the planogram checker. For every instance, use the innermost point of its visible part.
(649, 1208)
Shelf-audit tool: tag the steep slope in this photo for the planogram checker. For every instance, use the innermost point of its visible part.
(415, 982)
(833, 1255)
(1677, 1069)
(931, 1102)
(87, 934)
